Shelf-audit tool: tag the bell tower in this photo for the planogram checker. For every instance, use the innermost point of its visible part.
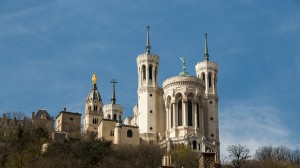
(93, 113)
(149, 94)
(208, 72)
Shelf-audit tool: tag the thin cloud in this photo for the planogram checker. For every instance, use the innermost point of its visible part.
(251, 125)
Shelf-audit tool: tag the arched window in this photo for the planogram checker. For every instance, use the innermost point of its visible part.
(95, 108)
(155, 78)
(129, 133)
(209, 80)
(115, 117)
(190, 113)
(150, 71)
(144, 72)
(203, 76)
(198, 116)
(171, 116)
(195, 145)
(180, 113)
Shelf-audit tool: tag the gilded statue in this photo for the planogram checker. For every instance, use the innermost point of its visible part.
(94, 78)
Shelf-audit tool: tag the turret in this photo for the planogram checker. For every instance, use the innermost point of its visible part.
(93, 113)
(113, 111)
(149, 94)
(208, 72)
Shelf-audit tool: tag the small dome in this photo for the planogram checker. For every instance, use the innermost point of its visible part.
(94, 94)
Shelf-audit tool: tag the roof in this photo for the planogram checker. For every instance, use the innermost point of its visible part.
(67, 112)
(41, 112)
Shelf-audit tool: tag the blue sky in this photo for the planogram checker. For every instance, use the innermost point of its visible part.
(50, 49)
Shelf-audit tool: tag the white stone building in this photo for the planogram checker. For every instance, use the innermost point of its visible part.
(183, 111)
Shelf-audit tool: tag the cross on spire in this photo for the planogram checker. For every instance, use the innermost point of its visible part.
(113, 99)
(206, 55)
(148, 40)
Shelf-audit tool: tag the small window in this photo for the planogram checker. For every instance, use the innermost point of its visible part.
(211, 118)
(112, 133)
(210, 102)
(129, 133)
(150, 95)
(212, 135)
(115, 117)
(150, 111)
(150, 128)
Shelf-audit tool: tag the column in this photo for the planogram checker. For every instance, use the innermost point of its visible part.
(184, 112)
(175, 115)
(202, 118)
(195, 115)
(167, 118)
(206, 82)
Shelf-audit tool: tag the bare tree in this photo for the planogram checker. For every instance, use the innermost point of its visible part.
(238, 154)
(18, 115)
(264, 153)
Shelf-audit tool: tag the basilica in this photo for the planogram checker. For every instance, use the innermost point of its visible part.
(184, 110)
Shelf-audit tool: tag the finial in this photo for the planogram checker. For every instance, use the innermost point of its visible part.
(206, 55)
(183, 72)
(94, 79)
(148, 40)
(113, 99)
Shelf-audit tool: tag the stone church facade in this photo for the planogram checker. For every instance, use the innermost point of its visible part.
(184, 110)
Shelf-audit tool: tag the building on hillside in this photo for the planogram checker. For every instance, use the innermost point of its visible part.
(68, 122)
(183, 111)
(7, 125)
(43, 119)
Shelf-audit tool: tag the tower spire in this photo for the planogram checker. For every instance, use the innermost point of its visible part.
(113, 99)
(206, 55)
(148, 40)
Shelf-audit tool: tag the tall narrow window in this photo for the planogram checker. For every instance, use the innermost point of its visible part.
(180, 113)
(209, 80)
(115, 117)
(171, 115)
(203, 76)
(190, 113)
(198, 115)
(155, 74)
(150, 71)
(144, 72)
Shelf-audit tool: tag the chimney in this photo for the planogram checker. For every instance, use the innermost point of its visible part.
(32, 115)
(65, 109)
